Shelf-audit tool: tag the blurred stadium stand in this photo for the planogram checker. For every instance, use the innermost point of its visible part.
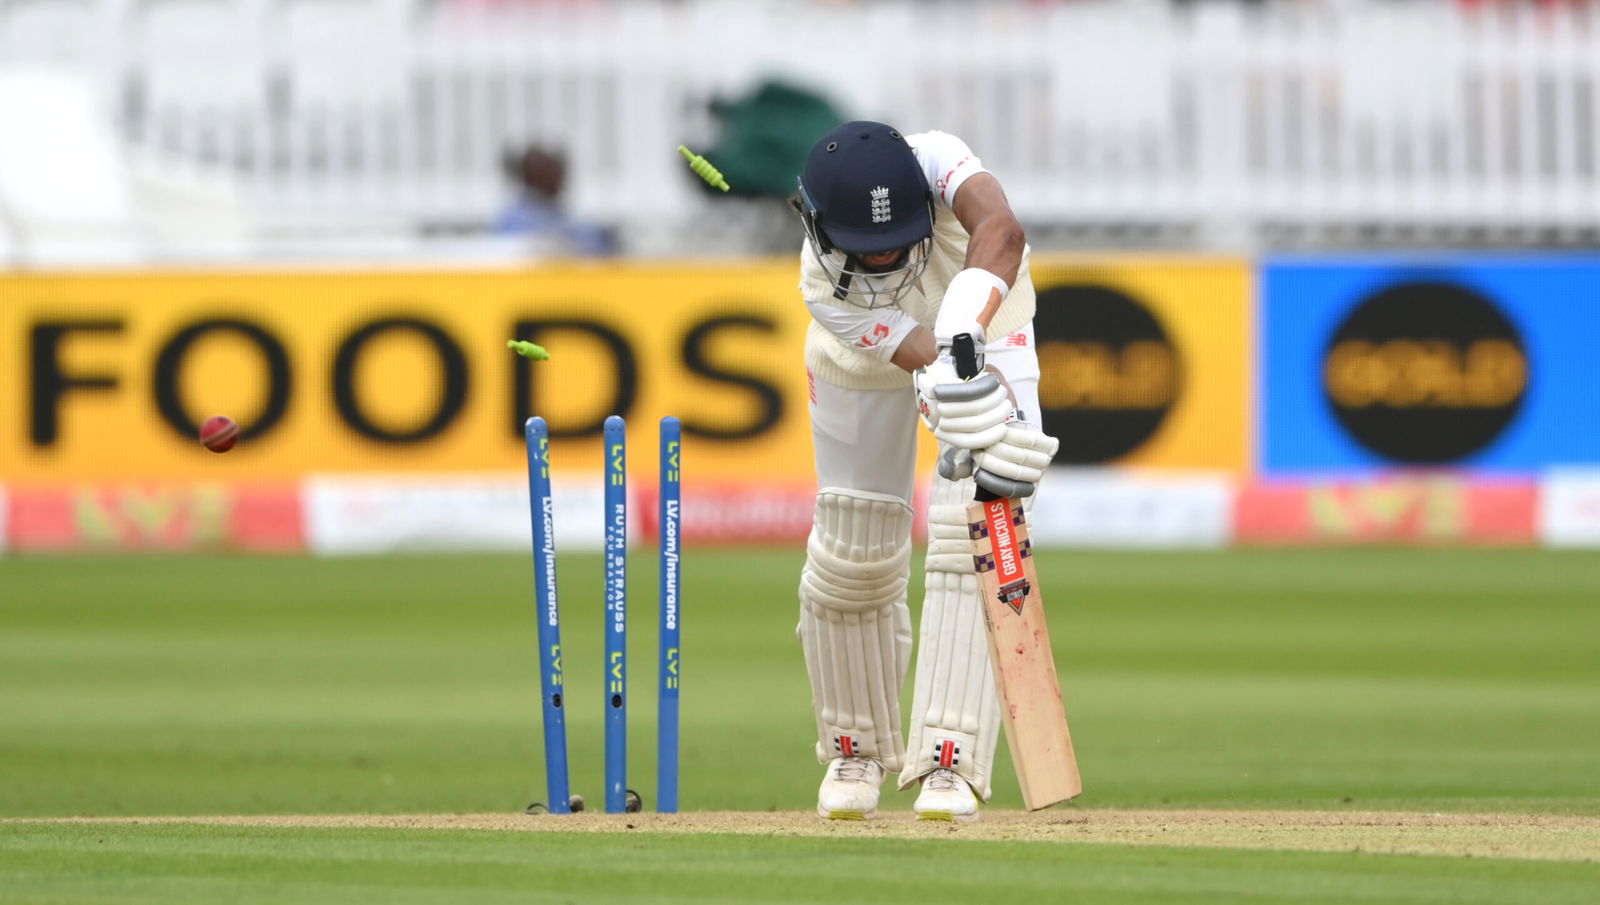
(181, 130)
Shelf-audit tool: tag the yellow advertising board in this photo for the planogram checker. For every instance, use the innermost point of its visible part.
(108, 375)
(1146, 362)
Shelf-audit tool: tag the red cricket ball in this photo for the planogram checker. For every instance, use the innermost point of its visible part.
(219, 433)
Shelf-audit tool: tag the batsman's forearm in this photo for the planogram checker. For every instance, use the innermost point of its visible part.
(996, 240)
(996, 246)
(917, 350)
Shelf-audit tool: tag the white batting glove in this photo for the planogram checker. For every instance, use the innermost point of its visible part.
(925, 379)
(1014, 466)
(955, 464)
(969, 414)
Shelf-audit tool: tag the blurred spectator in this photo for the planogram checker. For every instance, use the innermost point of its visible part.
(538, 176)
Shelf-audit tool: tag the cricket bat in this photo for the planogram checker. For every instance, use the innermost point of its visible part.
(1019, 639)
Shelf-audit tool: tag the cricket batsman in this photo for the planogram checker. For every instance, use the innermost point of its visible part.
(909, 242)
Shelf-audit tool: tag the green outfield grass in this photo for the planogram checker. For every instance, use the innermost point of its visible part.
(1420, 680)
(165, 864)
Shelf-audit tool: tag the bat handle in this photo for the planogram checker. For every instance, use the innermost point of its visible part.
(965, 352)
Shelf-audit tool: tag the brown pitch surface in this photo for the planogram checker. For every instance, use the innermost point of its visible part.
(1524, 836)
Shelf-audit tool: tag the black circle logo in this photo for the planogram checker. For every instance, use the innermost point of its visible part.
(1425, 372)
(1108, 374)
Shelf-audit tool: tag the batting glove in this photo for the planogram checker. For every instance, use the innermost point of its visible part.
(970, 414)
(1020, 457)
(1011, 468)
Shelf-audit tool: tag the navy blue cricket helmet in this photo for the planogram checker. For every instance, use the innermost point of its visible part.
(863, 192)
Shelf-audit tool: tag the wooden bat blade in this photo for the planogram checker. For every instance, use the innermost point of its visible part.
(1019, 648)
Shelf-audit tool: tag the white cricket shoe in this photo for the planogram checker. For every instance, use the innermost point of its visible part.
(850, 788)
(946, 796)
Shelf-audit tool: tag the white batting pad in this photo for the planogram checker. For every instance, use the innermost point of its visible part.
(854, 622)
(955, 712)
